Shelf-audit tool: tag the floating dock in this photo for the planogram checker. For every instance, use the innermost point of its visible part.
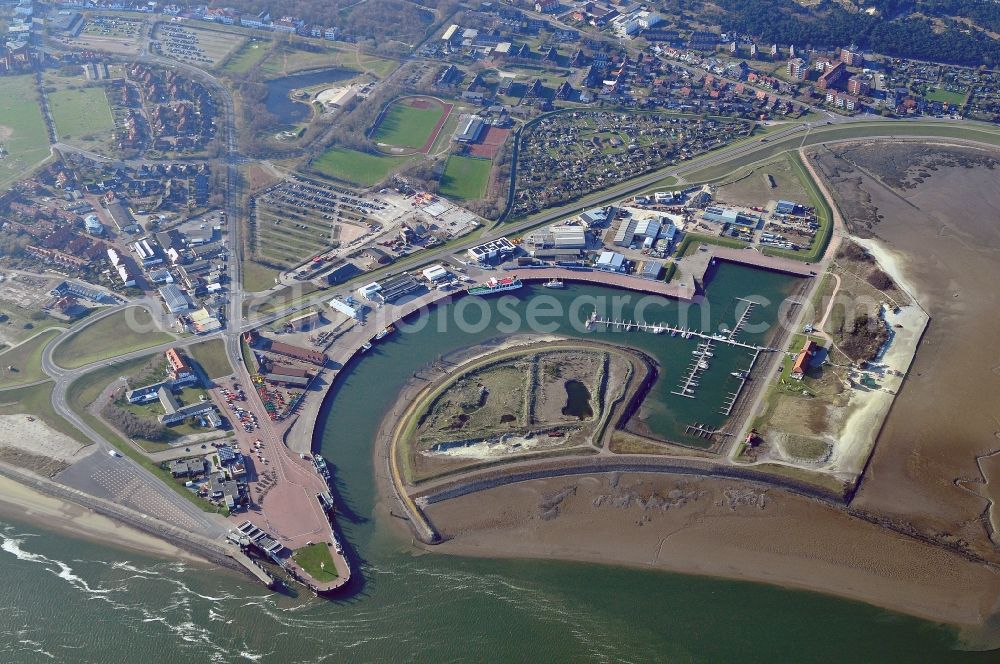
(683, 332)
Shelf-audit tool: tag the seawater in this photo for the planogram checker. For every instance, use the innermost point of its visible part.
(70, 601)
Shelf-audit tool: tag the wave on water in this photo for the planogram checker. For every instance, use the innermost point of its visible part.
(12, 545)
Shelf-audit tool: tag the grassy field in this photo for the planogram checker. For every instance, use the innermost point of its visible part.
(249, 55)
(257, 277)
(356, 167)
(749, 187)
(404, 126)
(317, 561)
(381, 67)
(26, 360)
(691, 241)
(123, 332)
(81, 112)
(24, 141)
(211, 355)
(465, 177)
(945, 96)
(288, 59)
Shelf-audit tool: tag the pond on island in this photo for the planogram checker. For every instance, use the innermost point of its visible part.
(577, 401)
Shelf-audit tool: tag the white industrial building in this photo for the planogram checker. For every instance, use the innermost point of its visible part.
(610, 261)
(345, 308)
(371, 291)
(436, 273)
(482, 253)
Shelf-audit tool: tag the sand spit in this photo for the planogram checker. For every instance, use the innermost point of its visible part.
(868, 409)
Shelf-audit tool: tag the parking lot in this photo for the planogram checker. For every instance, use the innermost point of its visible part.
(194, 45)
(298, 218)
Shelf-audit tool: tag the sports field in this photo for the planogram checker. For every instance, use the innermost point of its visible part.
(356, 167)
(80, 112)
(24, 141)
(465, 177)
(411, 123)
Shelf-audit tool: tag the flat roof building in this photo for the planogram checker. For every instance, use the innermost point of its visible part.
(469, 129)
(312, 356)
(435, 273)
(488, 251)
(174, 298)
(610, 261)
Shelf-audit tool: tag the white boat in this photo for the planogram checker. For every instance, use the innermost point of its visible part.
(366, 347)
(385, 331)
(554, 283)
(703, 365)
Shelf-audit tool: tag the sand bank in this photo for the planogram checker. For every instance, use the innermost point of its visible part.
(23, 503)
(719, 528)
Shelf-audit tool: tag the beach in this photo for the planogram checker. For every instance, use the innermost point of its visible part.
(719, 528)
(21, 503)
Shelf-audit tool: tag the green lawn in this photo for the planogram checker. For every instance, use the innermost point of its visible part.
(356, 167)
(26, 359)
(407, 127)
(381, 67)
(465, 177)
(945, 96)
(211, 355)
(317, 561)
(123, 332)
(81, 112)
(24, 141)
(691, 242)
(249, 55)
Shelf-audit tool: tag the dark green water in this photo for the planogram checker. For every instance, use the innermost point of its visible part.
(71, 601)
(577, 400)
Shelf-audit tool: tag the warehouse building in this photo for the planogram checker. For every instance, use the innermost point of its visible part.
(559, 237)
(610, 261)
(730, 216)
(436, 273)
(174, 298)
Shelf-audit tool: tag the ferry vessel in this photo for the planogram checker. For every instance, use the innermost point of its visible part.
(555, 283)
(495, 285)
